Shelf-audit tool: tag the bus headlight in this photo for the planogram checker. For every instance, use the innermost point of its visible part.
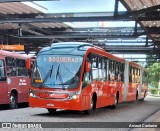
(74, 95)
(32, 94)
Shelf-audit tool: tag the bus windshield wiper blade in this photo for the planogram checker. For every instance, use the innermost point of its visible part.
(49, 74)
(60, 77)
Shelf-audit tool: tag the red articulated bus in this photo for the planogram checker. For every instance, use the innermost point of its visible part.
(14, 78)
(83, 77)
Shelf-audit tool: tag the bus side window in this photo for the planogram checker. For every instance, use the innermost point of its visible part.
(100, 75)
(130, 73)
(11, 70)
(104, 68)
(118, 72)
(2, 71)
(21, 67)
(122, 72)
(133, 74)
(111, 70)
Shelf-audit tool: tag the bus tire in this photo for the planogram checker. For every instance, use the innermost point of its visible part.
(144, 96)
(137, 96)
(52, 111)
(92, 106)
(13, 101)
(115, 101)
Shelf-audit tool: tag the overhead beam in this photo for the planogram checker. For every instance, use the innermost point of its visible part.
(105, 30)
(151, 30)
(66, 19)
(115, 42)
(126, 47)
(81, 35)
(76, 19)
(86, 33)
(51, 17)
(131, 49)
(118, 50)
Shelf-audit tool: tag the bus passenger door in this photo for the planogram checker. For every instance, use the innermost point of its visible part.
(3, 84)
(24, 80)
(23, 88)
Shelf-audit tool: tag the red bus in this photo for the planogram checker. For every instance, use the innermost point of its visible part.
(83, 77)
(14, 78)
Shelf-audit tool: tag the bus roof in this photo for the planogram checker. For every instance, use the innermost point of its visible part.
(80, 48)
(13, 54)
(134, 64)
(72, 45)
(77, 48)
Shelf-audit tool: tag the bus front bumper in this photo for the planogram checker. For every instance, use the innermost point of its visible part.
(73, 104)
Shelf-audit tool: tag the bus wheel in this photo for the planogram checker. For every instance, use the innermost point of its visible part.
(115, 102)
(92, 107)
(13, 101)
(137, 96)
(144, 96)
(52, 111)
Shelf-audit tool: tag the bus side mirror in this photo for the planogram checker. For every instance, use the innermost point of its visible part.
(28, 64)
(87, 66)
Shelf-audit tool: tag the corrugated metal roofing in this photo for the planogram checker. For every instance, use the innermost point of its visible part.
(25, 8)
(135, 5)
(50, 25)
(39, 25)
(17, 8)
(140, 4)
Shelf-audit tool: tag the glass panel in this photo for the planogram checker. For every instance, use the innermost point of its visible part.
(57, 71)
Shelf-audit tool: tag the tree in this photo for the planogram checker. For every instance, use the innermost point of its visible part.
(154, 74)
(151, 59)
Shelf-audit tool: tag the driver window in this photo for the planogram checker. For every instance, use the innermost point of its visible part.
(21, 67)
(11, 70)
(87, 76)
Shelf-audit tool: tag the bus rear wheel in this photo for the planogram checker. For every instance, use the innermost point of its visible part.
(52, 111)
(115, 102)
(92, 107)
(13, 104)
(144, 96)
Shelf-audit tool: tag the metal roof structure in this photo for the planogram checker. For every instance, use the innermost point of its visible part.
(14, 30)
(23, 24)
(17, 8)
(150, 26)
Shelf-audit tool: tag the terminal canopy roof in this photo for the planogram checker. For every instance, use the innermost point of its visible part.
(130, 27)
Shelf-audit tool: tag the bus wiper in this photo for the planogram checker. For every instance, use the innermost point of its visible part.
(49, 74)
(60, 77)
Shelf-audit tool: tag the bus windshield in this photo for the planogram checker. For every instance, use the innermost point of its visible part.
(57, 71)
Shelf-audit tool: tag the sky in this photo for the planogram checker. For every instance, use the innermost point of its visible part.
(68, 6)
